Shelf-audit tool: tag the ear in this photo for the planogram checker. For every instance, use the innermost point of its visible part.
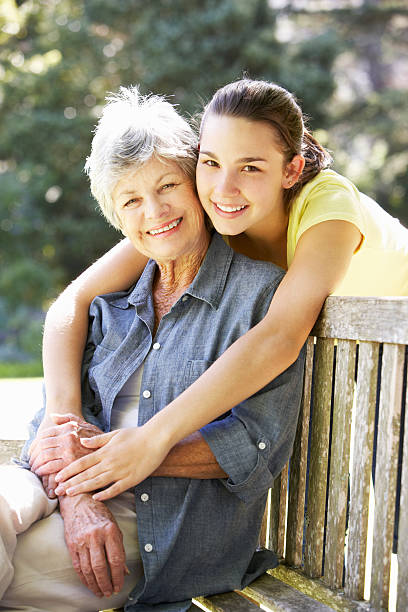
(293, 171)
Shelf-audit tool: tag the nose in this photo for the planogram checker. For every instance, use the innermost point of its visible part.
(226, 185)
(154, 208)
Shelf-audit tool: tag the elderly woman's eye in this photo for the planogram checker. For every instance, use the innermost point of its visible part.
(130, 202)
(168, 186)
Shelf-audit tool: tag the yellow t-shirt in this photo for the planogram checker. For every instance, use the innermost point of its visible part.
(380, 266)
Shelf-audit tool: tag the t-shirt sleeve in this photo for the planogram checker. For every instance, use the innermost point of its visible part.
(329, 201)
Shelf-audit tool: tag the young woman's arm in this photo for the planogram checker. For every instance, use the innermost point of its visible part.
(66, 324)
(322, 257)
(321, 260)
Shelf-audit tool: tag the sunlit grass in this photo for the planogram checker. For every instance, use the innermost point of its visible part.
(21, 370)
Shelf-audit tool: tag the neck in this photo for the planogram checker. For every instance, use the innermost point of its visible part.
(174, 276)
(266, 240)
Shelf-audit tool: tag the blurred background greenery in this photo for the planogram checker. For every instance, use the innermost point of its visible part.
(346, 60)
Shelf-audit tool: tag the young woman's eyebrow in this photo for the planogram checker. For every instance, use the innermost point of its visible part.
(245, 160)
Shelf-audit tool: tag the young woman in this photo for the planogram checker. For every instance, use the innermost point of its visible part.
(264, 182)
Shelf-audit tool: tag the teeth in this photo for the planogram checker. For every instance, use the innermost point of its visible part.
(166, 228)
(230, 208)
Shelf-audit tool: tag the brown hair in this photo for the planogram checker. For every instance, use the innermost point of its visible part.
(268, 102)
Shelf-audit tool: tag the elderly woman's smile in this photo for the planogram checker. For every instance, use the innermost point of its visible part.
(159, 211)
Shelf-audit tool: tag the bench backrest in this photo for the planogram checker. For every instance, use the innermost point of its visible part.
(325, 515)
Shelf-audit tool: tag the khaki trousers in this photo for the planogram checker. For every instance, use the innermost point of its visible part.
(36, 573)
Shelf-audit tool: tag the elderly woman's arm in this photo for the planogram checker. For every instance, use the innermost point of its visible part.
(66, 325)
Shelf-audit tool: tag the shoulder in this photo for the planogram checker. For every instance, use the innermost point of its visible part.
(325, 183)
(118, 299)
(252, 273)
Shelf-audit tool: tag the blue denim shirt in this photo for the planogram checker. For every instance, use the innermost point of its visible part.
(196, 537)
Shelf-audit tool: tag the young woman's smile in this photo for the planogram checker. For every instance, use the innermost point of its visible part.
(240, 174)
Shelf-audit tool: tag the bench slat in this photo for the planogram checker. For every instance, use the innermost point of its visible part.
(364, 318)
(362, 450)
(277, 513)
(227, 602)
(277, 595)
(319, 445)
(339, 463)
(386, 471)
(298, 467)
(402, 594)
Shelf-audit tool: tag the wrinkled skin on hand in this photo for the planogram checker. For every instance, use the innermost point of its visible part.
(95, 544)
(57, 446)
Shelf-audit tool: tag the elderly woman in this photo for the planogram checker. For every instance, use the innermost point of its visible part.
(191, 527)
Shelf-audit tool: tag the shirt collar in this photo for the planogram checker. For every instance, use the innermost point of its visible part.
(209, 283)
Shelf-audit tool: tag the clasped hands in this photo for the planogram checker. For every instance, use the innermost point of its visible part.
(82, 459)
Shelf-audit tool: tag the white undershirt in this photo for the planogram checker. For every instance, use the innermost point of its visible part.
(125, 410)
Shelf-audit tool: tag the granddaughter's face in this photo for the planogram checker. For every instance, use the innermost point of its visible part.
(159, 210)
(241, 173)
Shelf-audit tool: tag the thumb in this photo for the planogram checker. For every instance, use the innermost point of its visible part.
(97, 441)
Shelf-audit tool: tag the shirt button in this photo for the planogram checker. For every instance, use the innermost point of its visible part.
(146, 393)
(148, 547)
(156, 346)
(262, 445)
(184, 298)
(144, 497)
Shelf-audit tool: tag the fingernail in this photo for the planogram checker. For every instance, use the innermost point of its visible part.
(127, 571)
(59, 491)
(51, 493)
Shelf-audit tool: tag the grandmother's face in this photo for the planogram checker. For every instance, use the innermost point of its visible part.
(159, 210)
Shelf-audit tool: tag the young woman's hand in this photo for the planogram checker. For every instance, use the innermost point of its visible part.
(120, 458)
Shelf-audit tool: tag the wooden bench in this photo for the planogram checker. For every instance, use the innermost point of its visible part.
(333, 528)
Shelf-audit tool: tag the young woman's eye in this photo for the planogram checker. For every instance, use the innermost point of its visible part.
(249, 168)
(211, 163)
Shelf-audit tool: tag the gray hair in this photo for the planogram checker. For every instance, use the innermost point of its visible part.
(131, 130)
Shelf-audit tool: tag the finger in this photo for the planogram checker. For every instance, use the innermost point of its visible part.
(45, 456)
(76, 467)
(76, 563)
(117, 560)
(51, 440)
(50, 468)
(116, 489)
(88, 483)
(97, 441)
(45, 482)
(87, 572)
(100, 569)
(52, 485)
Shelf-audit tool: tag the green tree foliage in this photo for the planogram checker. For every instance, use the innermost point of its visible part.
(59, 58)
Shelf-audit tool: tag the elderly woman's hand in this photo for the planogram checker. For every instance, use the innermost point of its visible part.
(123, 458)
(59, 445)
(95, 544)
